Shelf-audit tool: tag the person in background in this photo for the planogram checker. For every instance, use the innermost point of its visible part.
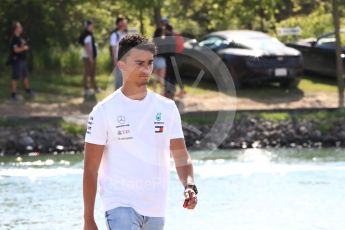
(179, 41)
(88, 41)
(115, 37)
(159, 63)
(17, 59)
(169, 43)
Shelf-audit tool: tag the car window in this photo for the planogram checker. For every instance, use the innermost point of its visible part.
(214, 43)
(236, 45)
(329, 40)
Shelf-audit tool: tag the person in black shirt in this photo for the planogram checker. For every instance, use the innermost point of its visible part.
(87, 40)
(163, 37)
(18, 49)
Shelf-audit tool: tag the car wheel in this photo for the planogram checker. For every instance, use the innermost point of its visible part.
(289, 83)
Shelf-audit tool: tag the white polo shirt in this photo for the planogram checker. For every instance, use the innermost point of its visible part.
(87, 40)
(134, 170)
(115, 39)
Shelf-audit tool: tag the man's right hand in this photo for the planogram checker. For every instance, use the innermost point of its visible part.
(90, 225)
(92, 159)
(91, 60)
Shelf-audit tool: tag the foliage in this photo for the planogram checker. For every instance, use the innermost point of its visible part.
(312, 25)
(72, 128)
(52, 27)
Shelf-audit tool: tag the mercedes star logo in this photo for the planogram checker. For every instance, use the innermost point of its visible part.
(121, 119)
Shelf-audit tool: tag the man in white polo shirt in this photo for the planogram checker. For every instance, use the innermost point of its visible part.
(115, 37)
(128, 142)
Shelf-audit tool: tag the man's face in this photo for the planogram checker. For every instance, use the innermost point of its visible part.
(19, 28)
(137, 67)
(163, 23)
(123, 25)
(90, 27)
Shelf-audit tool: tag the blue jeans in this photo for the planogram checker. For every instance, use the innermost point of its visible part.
(118, 78)
(126, 218)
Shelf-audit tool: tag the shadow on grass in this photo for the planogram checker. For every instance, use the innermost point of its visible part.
(264, 93)
(270, 93)
(320, 79)
(203, 85)
(50, 88)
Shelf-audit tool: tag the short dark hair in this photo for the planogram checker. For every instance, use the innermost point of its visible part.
(135, 41)
(119, 19)
(88, 22)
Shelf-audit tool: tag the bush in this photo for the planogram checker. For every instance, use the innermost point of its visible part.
(312, 25)
(68, 61)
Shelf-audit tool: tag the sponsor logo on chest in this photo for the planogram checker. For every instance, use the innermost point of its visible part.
(158, 123)
(122, 128)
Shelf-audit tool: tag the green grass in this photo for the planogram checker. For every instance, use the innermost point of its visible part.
(308, 84)
(325, 117)
(322, 115)
(13, 122)
(193, 119)
(6, 123)
(278, 116)
(202, 88)
(52, 88)
(317, 83)
(324, 128)
(267, 92)
(60, 88)
(73, 128)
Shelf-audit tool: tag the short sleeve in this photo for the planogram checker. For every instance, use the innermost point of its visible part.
(113, 40)
(176, 126)
(96, 132)
(87, 39)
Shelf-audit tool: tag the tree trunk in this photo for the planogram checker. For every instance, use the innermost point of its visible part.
(262, 17)
(141, 20)
(340, 77)
(157, 15)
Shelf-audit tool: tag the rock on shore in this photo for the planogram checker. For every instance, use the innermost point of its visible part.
(246, 132)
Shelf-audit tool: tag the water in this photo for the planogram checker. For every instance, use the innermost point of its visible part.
(242, 190)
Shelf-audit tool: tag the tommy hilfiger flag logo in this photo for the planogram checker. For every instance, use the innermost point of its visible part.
(159, 128)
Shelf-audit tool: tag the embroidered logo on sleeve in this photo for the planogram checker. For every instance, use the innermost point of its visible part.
(89, 125)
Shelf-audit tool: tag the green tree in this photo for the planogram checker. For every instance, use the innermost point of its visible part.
(340, 76)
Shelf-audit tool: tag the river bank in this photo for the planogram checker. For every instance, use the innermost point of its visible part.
(290, 129)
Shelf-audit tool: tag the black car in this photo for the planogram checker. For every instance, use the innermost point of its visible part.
(250, 56)
(319, 54)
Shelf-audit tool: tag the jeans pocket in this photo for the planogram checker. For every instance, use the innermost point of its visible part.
(122, 218)
(110, 211)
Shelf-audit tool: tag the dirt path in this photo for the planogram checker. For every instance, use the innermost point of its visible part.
(71, 107)
(223, 102)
